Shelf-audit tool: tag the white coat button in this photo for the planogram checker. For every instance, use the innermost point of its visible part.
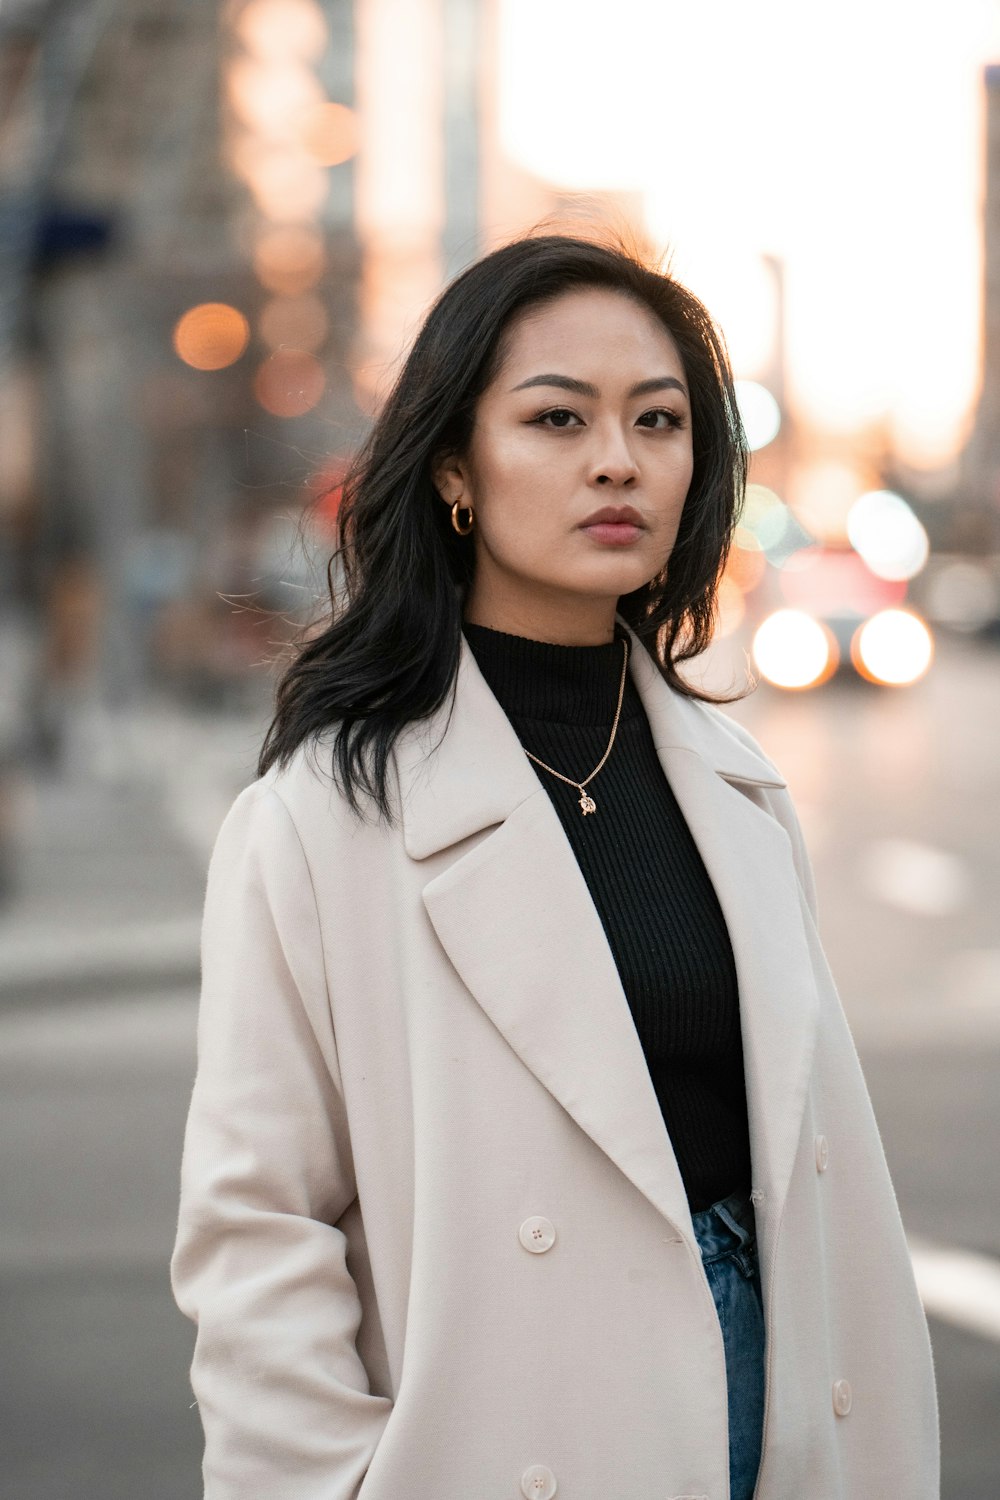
(538, 1482)
(822, 1153)
(841, 1397)
(537, 1234)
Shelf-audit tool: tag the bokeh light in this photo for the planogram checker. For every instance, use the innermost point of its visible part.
(760, 413)
(301, 322)
(793, 650)
(963, 594)
(289, 258)
(890, 538)
(276, 29)
(329, 133)
(731, 607)
(894, 647)
(211, 336)
(821, 494)
(776, 529)
(763, 514)
(289, 383)
(273, 99)
(746, 563)
(285, 184)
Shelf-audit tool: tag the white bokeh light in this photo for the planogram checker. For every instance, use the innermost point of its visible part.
(890, 538)
(894, 647)
(792, 649)
(760, 413)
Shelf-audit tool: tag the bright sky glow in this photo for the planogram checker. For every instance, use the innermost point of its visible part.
(846, 140)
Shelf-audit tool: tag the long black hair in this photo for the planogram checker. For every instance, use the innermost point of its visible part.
(389, 652)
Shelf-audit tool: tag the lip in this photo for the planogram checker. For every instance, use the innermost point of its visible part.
(614, 525)
(614, 515)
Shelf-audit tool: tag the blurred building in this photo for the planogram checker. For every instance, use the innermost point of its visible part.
(981, 461)
(180, 276)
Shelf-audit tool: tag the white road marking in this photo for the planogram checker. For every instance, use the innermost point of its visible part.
(959, 1286)
(101, 1036)
(30, 954)
(915, 877)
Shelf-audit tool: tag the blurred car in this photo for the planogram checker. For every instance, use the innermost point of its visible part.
(838, 616)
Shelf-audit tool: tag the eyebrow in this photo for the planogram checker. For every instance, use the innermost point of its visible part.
(584, 388)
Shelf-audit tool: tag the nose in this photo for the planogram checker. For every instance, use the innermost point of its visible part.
(614, 463)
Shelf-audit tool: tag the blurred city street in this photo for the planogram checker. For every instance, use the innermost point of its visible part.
(97, 1050)
(221, 226)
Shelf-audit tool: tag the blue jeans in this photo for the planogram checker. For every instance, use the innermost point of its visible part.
(727, 1237)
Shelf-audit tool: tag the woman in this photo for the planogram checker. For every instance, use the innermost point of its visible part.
(529, 1150)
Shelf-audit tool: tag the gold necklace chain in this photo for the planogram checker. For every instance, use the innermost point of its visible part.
(587, 803)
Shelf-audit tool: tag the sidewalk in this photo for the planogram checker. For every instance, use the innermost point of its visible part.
(111, 854)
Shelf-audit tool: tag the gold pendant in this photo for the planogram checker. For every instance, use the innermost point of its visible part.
(587, 804)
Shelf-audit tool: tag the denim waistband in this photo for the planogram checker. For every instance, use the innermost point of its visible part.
(727, 1226)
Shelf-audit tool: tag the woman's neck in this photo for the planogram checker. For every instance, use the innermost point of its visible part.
(591, 626)
(538, 679)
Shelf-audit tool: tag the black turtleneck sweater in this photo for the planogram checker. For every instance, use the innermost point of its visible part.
(649, 885)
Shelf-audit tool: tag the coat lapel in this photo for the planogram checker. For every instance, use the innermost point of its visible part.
(717, 781)
(515, 917)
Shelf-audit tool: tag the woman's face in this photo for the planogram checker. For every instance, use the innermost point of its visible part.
(589, 410)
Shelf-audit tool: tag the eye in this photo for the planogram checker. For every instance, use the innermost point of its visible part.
(673, 419)
(558, 414)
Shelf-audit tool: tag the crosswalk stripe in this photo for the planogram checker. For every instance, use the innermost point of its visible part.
(958, 1286)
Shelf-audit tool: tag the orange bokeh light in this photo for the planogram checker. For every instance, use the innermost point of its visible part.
(285, 184)
(299, 322)
(731, 607)
(289, 383)
(273, 99)
(745, 567)
(289, 258)
(211, 336)
(330, 133)
(283, 28)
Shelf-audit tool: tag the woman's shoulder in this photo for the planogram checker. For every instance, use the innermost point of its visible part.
(714, 728)
(727, 724)
(310, 787)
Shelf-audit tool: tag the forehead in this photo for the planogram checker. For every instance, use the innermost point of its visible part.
(587, 331)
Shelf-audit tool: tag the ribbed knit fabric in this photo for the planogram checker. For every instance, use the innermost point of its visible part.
(649, 885)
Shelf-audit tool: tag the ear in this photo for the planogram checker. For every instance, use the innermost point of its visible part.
(450, 478)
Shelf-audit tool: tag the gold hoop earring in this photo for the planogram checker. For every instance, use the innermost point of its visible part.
(462, 530)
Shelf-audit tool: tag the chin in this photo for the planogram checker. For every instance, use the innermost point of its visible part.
(611, 580)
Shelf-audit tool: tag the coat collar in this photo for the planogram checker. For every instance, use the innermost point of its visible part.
(513, 913)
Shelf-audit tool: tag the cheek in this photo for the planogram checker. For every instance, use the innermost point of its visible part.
(678, 471)
(511, 473)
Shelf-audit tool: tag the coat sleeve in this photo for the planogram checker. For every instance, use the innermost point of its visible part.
(259, 1264)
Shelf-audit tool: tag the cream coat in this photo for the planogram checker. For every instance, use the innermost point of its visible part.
(432, 1229)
